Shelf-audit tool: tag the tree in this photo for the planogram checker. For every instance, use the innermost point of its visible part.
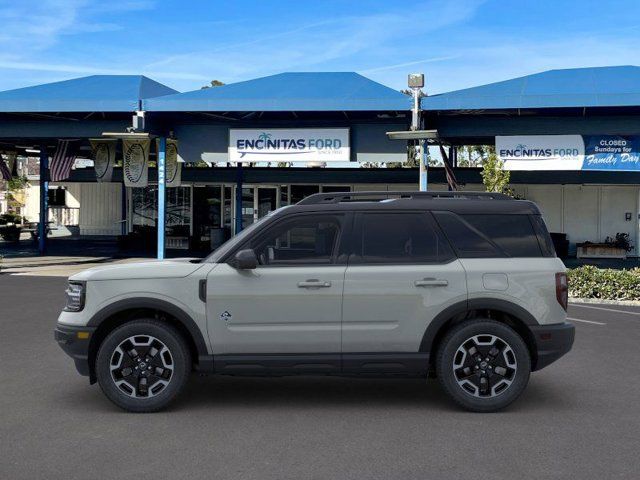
(474, 155)
(494, 176)
(214, 83)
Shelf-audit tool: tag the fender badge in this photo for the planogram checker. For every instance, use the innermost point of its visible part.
(226, 316)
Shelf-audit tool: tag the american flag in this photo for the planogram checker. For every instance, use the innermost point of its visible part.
(5, 172)
(62, 160)
(448, 170)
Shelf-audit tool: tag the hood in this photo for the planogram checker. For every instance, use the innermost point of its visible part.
(175, 268)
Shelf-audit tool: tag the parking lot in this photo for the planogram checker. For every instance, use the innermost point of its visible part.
(580, 418)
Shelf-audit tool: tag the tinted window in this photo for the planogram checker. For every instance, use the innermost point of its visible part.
(514, 234)
(544, 239)
(491, 235)
(400, 238)
(468, 241)
(307, 239)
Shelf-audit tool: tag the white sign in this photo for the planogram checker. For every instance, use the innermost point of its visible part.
(541, 152)
(135, 162)
(289, 145)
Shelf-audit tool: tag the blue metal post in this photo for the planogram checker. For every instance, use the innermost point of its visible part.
(44, 200)
(238, 198)
(162, 184)
(424, 165)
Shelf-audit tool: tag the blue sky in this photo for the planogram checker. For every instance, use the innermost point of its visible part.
(456, 43)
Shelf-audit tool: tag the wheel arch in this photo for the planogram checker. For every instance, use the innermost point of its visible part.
(123, 311)
(503, 311)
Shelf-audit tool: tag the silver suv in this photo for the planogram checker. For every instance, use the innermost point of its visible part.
(463, 286)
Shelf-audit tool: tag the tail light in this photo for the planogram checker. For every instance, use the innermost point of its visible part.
(562, 290)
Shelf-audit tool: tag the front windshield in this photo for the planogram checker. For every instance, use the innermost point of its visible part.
(226, 247)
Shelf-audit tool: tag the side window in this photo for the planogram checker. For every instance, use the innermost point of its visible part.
(546, 244)
(514, 234)
(467, 240)
(303, 240)
(393, 238)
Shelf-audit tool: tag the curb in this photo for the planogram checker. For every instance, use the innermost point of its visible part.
(630, 303)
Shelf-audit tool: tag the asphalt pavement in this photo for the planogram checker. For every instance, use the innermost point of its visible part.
(579, 418)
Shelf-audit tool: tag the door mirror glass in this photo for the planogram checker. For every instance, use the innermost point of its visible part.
(245, 260)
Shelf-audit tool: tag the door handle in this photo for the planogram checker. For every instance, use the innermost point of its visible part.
(313, 284)
(431, 282)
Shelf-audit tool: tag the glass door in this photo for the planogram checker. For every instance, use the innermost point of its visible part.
(257, 201)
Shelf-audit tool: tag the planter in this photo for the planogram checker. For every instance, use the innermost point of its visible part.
(600, 250)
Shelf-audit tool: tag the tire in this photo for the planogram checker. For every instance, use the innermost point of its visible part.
(461, 369)
(145, 345)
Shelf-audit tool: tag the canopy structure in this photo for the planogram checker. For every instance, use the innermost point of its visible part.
(296, 92)
(96, 93)
(569, 88)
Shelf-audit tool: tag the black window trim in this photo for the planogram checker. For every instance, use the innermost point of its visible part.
(338, 259)
(356, 233)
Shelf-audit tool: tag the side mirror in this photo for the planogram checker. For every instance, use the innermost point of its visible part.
(245, 260)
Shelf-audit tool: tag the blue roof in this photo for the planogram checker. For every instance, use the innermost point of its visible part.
(575, 87)
(96, 93)
(308, 91)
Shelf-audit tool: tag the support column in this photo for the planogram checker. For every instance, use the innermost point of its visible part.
(44, 200)
(238, 198)
(162, 187)
(424, 165)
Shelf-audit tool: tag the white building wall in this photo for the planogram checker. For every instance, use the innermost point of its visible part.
(100, 208)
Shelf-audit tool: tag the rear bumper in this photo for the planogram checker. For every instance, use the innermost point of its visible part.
(75, 345)
(552, 342)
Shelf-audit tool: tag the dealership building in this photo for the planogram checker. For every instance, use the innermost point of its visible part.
(571, 139)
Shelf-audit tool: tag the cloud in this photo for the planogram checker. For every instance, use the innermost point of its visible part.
(409, 64)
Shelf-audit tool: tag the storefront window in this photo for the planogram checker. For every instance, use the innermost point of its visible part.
(144, 205)
(298, 192)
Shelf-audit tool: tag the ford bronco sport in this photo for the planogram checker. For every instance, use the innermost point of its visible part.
(464, 286)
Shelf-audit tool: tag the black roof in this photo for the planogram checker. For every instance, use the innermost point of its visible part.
(457, 202)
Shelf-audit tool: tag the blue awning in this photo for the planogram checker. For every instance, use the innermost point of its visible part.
(576, 87)
(308, 91)
(96, 93)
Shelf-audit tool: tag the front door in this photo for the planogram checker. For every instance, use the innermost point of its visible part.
(292, 302)
(401, 274)
(257, 202)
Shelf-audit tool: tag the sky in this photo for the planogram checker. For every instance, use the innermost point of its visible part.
(185, 44)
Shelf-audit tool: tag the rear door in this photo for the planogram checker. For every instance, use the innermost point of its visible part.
(402, 273)
(292, 302)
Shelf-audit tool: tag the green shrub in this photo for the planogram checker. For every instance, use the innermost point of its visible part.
(604, 283)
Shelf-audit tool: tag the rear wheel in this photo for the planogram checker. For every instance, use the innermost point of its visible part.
(143, 365)
(483, 365)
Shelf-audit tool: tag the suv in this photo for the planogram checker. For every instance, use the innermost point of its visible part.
(463, 286)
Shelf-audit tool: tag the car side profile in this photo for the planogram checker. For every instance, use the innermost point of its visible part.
(465, 286)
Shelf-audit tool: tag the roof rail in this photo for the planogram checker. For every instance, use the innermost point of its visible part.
(320, 198)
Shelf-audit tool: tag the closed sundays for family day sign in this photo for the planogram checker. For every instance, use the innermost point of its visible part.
(289, 145)
(569, 152)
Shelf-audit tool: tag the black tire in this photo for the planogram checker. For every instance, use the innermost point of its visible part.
(493, 393)
(174, 367)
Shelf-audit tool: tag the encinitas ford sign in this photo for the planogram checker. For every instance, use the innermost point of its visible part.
(570, 152)
(541, 152)
(289, 145)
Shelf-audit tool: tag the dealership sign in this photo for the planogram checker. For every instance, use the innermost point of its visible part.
(569, 152)
(289, 145)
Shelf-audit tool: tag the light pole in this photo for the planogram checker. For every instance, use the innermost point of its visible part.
(416, 82)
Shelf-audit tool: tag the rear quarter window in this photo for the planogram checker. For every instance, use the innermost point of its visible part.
(491, 235)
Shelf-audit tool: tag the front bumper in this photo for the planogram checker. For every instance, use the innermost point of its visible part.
(75, 342)
(552, 342)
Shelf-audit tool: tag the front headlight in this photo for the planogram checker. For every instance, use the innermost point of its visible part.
(75, 297)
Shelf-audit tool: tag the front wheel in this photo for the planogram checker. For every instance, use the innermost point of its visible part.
(483, 365)
(143, 365)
